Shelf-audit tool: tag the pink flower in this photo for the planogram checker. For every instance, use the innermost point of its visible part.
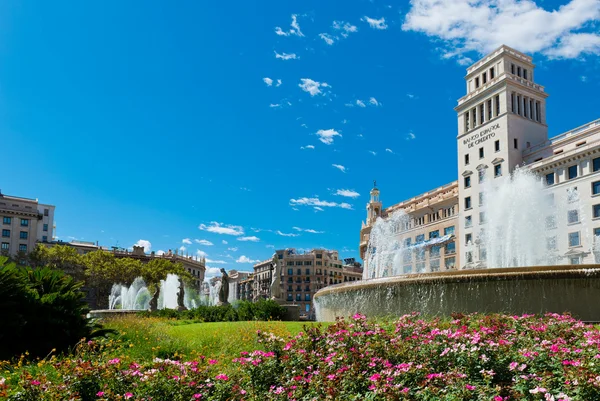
(35, 383)
(212, 361)
(469, 387)
(331, 377)
(375, 377)
(128, 396)
(498, 398)
(242, 391)
(222, 377)
(114, 361)
(99, 393)
(197, 396)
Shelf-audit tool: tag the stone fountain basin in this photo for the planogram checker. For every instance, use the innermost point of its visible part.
(540, 289)
(107, 313)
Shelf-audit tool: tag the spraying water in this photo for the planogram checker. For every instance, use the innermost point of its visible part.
(137, 296)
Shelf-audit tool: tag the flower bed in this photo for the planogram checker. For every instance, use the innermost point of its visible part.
(473, 357)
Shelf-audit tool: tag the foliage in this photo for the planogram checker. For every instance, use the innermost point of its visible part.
(240, 311)
(41, 310)
(474, 357)
(60, 257)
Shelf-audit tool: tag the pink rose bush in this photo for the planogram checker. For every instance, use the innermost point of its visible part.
(468, 357)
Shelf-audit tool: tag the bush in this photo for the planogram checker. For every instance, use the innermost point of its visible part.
(240, 311)
(41, 310)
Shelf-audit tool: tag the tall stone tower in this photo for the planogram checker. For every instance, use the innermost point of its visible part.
(502, 114)
(373, 212)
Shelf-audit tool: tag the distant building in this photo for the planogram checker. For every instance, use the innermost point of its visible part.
(25, 222)
(305, 273)
(263, 276)
(246, 289)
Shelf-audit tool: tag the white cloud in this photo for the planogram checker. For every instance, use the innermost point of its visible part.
(286, 234)
(326, 135)
(410, 136)
(285, 56)
(318, 209)
(182, 248)
(246, 259)
(251, 239)
(374, 102)
(483, 25)
(160, 252)
(340, 167)
(279, 82)
(327, 38)
(211, 272)
(294, 30)
(389, 150)
(220, 228)
(203, 242)
(583, 78)
(272, 105)
(232, 249)
(375, 23)
(410, 95)
(348, 193)
(360, 103)
(186, 241)
(372, 152)
(297, 228)
(216, 262)
(270, 246)
(145, 243)
(307, 147)
(201, 254)
(268, 81)
(224, 242)
(345, 27)
(313, 87)
(318, 203)
(310, 230)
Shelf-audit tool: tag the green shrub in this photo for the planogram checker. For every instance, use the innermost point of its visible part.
(240, 311)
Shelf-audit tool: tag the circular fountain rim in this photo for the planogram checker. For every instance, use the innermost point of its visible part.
(464, 275)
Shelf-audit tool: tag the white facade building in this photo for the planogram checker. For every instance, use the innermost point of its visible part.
(502, 125)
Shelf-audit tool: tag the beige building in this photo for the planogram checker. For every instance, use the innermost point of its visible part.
(25, 222)
(303, 274)
(502, 125)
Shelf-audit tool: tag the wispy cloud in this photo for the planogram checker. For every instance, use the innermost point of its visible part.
(340, 167)
(216, 262)
(186, 241)
(410, 136)
(270, 246)
(182, 248)
(286, 234)
(327, 38)
(293, 31)
(372, 152)
(307, 147)
(319, 209)
(246, 259)
(201, 254)
(348, 193)
(583, 78)
(374, 102)
(313, 87)
(483, 25)
(308, 230)
(274, 105)
(224, 242)
(286, 56)
(318, 203)
(375, 23)
(344, 27)
(279, 82)
(220, 228)
(250, 239)
(203, 242)
(360, 103)
(233, 249)
(268, 81)
(388, 150)
(410, 96)
(327, 135)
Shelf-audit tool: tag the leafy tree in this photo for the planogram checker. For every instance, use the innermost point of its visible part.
(158, 269)
(61, 257)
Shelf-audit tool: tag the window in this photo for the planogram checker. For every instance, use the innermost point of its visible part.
(450, 248)
(450, 263)
(512, 69)
(497, 170)
(481, 174)
(319, 256)
(467, 121)
(449, 230)
(489, 109)
(481, 217)
(572, 194)
(46, 212)
(6, 233)
(513, 103)
(481, 153)
(407, 269)
(484, 77)
(280, 256)
(308, 272)
(469, 257)
(481, 115)
(420, 267)
(525, 73)
(595, 164)
(474, 117)
(466, 160)
(497, 146)
(6, 220)
(468, 221)
(518, 104)
(5, 246)
(467, 181)
(497, 105)
(467, 202)
(596, 209)
(596, 188)
(551, 243)
(468, 238)
(434, 265)
(537, 111)
(550, 222)
(299, 272)
(420, 238)
(24, 223)
(434, 234)
(477, 82)
(550, 179)
(23, 235)
(572, 172)
(298, 297)
(515, 143)
(307, 297)
(573, 216)
(45, 227)
(575, 260)
(483, 254)
(574, 239)
(492, 73)
(289, 297)
(22, 248)
(290, 272)
(481, 199)
(319, 263)
(519, 71)
(596, 231)
(407, 242)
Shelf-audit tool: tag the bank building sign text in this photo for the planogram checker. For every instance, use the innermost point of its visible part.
(481, 136)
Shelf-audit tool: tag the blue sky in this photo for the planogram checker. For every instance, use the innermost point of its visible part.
(212, 122)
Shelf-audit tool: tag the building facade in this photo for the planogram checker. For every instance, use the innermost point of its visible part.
(502, 126)
(305, 273)
(262, 278)
(25, 222)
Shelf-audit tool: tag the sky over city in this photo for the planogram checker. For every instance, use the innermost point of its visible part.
(231, 129)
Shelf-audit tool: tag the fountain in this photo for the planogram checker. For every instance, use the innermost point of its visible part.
(520, 224)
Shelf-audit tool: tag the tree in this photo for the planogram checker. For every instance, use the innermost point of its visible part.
(158, 269)
(61, 257)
